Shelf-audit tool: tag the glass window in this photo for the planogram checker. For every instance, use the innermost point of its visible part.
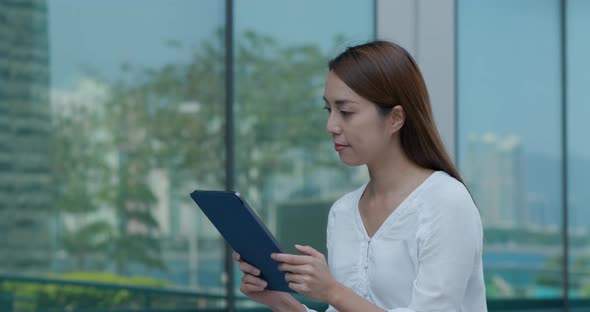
(286, 166)
(111, 113)
(578, 110)
(509, 139)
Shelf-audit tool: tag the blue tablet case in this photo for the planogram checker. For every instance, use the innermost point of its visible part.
(244, 232)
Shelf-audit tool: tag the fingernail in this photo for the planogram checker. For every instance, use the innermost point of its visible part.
(273, 256)
(298, 246)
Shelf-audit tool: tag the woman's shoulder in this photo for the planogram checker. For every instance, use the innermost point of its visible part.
(447, 210)
(445, 186)
(447, 195)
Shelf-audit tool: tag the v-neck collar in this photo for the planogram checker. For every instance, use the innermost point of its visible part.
(400, 208)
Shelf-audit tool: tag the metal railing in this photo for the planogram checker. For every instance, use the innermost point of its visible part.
(36, 294)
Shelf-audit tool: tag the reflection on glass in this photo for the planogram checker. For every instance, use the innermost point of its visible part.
(509, 127)
(110, 116)
(25, 134)
(578, 49)
(286, 166)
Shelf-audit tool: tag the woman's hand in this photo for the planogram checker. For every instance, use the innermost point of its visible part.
(255, 288)
(308, 274)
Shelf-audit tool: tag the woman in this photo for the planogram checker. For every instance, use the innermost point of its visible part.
(411, 238)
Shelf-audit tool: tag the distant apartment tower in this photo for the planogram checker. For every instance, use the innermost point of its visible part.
(25, 179)
(494, 172)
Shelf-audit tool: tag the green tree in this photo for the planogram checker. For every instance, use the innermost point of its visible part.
(87, 133)
(81, 175)
(278, 110)
(137, 239)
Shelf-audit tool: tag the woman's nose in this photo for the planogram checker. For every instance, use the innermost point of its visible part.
(332, 126)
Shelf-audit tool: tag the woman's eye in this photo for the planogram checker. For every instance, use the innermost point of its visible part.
(345, 113)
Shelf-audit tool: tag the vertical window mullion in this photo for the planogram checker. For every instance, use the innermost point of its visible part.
(229, 141)
(564, 169)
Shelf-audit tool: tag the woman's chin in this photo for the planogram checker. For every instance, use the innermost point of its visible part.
(351, 162)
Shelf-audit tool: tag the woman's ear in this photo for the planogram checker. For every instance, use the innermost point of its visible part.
(397, 118)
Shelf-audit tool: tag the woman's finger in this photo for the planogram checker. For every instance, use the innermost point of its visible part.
(308, 250)
(291, 259)
(298, 269)
(299, 288)
(249, 288)
(246, 268)
(253, 280)
(293, 278)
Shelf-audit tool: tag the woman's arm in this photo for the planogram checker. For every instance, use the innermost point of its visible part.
(450, 243)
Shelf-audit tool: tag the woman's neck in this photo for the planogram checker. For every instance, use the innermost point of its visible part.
(395, 174)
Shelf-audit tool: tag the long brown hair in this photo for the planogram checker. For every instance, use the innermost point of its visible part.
(385, 74)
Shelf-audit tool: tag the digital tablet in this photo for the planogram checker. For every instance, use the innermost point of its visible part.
(244, 232)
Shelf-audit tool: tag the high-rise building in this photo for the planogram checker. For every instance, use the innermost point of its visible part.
(494, 172)
(25, 173)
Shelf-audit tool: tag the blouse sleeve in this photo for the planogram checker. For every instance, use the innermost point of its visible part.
(450, 239)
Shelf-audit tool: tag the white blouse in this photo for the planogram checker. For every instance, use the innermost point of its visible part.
(426, 257)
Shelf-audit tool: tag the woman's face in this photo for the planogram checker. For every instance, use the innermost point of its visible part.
(360, 134)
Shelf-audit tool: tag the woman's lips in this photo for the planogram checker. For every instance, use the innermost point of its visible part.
(340, 147)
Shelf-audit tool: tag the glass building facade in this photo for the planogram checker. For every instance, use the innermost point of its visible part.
(509, 139)
(520, 95)
(112, 112)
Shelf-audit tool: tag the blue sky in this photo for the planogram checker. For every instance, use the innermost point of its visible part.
(509, 70)
(102, 35)
(308, 21)
(578, 44)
